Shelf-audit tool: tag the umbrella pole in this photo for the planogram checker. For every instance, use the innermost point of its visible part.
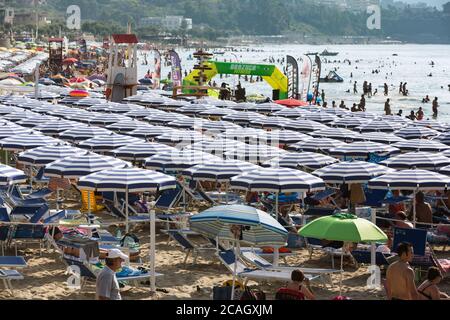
(126, 210)
(226, 192)
(57, 199)
(414, 208)
(152, 252)
(31, 177)
(236, 250)
(276, 206)
(342, 270)
(89, 202)
(372, 244)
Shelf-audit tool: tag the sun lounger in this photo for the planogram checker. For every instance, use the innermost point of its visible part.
(316, 244)
(169, 199)
(364, 257)
(187, 245)
(7, 275)
(7, 263)
(40, 178)
(228, 258)
(262, 263)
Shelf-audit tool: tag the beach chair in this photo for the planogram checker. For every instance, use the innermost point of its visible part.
(364, 257)
(38, 194)
(168, 199)
(187, 245)
(260, 262)
(6, 274)
(40, 178)
(228, 258)
(4, 230)
(316, 244)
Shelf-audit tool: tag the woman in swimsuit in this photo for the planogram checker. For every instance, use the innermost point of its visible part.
(429, 289)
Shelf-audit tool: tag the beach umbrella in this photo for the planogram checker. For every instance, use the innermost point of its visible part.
(89, 102)
(243, 117)
(308, 160)
(108, 142)
(11, 129)
(179, 160)
(270, 123)
(267, 107)
(140, 151)
(101, 107)
(380, 126)
(277, 137)
(415, 132)
(240, 223)
(446, 153)
(305, 126)
(22, 142)
(10, 175)
(82, 115)
(321, 117)
(55, 127)
(44, 155)
(188, 123)
(164, 118)
(336, 111)
(431, 124)
(35, 121)
(415, 180)
(150, 131)
(291, 103)
(316, 144)
(242, 106)
(216, 147)
(397, 119)
(335, 133)
(193, 109)
(381, 137)
(421, 145)
(290, 113)
(366, 115)
(221, 171)
(248, 135)
(445, 170)
(9, 109)
(219, 126)
(346, 228)
(139, 113)
(19, 116)
(215, 112)
(122, 107)
(351, 172)
(126, 125)
(181, 138)
(442, 138)
(419, 160)
(81, 133)
(362, 149)
(254, 153)
(348, 122)
(105, 119)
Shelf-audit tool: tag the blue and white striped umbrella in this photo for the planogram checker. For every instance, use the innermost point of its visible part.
(164, 118)
(445, 170)
(12, 129)
(221, 171)
(261, 229)
(181, 138)
(10, 175)
(31, 122)
(421, 145)
(187, 123)
(248, 135)
(127, 179)
(363, 149)
(46, 154)
(193, 109)
(415, 180)
(108, 142)
(380, 126)
(316, 144)
(179, 160)
(242, 106)
(127, 126)
(432, 124)
(381, 137)
(19, 116)
(139, 113)
(349, 122)
(321, 117)
(54, 127)
(88, 101)
(419, 160)
(277, 180)
(254, 153)
(27, 141)
(150, 131)
(294, 160)
(267, 107)
(82, 116)
(277, 137)
(141, 151)
(216, 112)
(397, 119)
(106, 118)
(336, 133)
(270, 123)
(292, 113)
(9, 109)
(340, 112)
(243, 117)
(83, 132)
(305, 126)
(217, 147)
(351, 172)
(446, 153)
(415, 132)
(219, 126)
(81, 165)
(442, 138)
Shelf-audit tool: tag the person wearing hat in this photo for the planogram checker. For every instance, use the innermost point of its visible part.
(107, 286)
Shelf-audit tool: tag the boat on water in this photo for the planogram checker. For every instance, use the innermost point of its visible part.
(328, 53)
(219, 52)
(332, 77)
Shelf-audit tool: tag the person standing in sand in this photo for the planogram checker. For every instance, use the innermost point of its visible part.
(400, 276)
(107, 286)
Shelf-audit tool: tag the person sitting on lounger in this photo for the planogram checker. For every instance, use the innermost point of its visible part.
(301, 284)
(429, 288)
(423, 210)
(400, 276)
(402, 221)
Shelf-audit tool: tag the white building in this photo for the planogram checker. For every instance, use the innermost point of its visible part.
(168, 22)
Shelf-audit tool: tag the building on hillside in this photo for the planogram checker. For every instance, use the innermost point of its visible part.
(168, 22)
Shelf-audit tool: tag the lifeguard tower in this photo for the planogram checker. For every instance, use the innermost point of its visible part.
(122, 67)
(55, 51)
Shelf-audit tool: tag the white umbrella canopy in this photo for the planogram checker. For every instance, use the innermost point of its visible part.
(380, 126)
(362, 149)
(316, 144)
(421, 145)
(140, 151)
(308, 160)
(179, 160)
(254, 153)
(305, 126)
(27, 141)
(336, 133)
(83, 132)
(415, 132)
(108, 142)
(419, 160)
(380, 137)
(44, 155)
(221, 171)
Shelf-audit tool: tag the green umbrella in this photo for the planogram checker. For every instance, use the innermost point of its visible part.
(343, 227)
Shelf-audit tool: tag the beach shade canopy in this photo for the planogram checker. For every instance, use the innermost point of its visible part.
(248, 135)
(414, 179)
(187, 123)
(150, 131)
(276, 137)
(89, 102)
(348, 122)
(127, 125)
(9, 109)
(363, 149)
(445, 170)
(397, 119)
(432, 124)
(267, 107)
(243, 117)
(305, 126)
(106, 118)
(442, 138)
(11, 129)
(308, 160)
(336, 133)
(127, 179)
(380, 126)
(27, 141)
(321, 117)
(254, 153)
(181, 138)
(421, 145)
(316, 144)
(416, 132)
(290, 113)
(46, 154)
(351, 172)
(216, 112)
(84, 132)
(20, 116)
(337, 111)
(36, 120)
(54, 127)
(108, 142)
(141, 151)
(179, 160)
(259, 228)
(381, 137)
(242, 106)
(221, 171)
(446, 153)
(343, 227)
(81, 165)
(277, 180)
(270, 123)
(219, 126)
(10, 175)
(291, 103)
(163, 118)
(139, 113)
(193, 109)
(419, 160)
(216, 147)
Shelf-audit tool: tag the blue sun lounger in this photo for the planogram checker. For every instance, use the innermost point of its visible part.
(6, 274)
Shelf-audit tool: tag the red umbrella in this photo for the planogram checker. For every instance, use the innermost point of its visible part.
(292, 103)
(70, 60)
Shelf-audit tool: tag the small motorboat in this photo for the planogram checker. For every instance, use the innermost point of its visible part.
(332, 77)
(328, 53)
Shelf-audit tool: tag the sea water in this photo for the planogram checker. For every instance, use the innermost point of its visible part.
(395, 63)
